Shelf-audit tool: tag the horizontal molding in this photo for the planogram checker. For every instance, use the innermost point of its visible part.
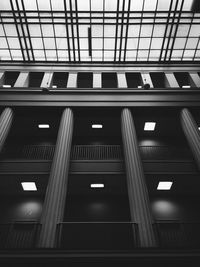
(117, 97)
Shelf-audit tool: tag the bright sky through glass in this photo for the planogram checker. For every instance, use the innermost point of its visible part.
(121, 30)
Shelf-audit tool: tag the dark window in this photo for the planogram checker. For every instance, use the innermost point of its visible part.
(10, 77)
(60, 79)
(134, 79)
(109, 80)
(85, 80)
(183, 79)
(158, 79)
(35, 79)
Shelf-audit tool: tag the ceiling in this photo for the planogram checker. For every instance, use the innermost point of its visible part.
(94, 31)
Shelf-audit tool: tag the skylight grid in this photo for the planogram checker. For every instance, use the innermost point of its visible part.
(96, 31)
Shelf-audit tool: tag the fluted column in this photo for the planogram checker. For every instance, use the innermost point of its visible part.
(6, 119)
(54, 204)
(191, 131)
(137, 190)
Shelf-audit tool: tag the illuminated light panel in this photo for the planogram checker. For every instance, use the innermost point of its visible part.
(29, 186)
(97, 126)
(43, 126)
(164, 185)
(97, 185)
(149, 126)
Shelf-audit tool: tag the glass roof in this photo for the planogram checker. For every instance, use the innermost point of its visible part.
(100, 30)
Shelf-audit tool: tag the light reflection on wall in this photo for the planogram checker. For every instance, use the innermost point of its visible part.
(30, 210)
(166, 210)
(98, 210)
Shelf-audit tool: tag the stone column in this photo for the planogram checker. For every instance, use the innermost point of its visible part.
(191, 131)
(137, 190)
(54, 204)
(6, 119)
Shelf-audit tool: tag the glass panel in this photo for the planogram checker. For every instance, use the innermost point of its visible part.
(183, 30)
(192, 43)
(159, 30)
(30, 5)
(34, 30)
(49, 43)
(37, 43)
(43, 5)
(136, 5)
(156, 43)
(60, 30)
(133, 31)
(84, 43)
(146, 31)
(150, 5)
(83, 30)
(144, 43)
(179, 43)
(194, 31)
(61, 43)
(3, 43)
(109, 30)
(47, 30)
(97, 43)
(10, 30)
(13, 43)
(57, 5)
(5, 5)
(109, 43)
(163, 4)
(83, 5)
(132, 43)
(97, 5)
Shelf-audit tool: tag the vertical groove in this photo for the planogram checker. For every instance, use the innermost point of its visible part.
(137, 190)
(54, 204)
(191, 132)
(6, 119)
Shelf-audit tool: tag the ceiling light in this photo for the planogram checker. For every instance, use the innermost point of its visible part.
(149, 126)
(164, 185)
(97, 126)
(43, 126)
(29, 186)
(97, 185)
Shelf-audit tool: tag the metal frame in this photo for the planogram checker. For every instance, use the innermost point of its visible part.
(122, 18)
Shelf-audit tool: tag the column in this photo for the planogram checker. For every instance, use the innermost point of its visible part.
(121, 78)
(72, 80)
(137, 190)
(54, 204)
(171, 80)
(47, 80)
(97, 80)
(146, 78)
(22, 80)
(191, 132)
(6, 119)
(195, 79)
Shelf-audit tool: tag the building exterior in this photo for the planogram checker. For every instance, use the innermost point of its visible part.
(99, 133)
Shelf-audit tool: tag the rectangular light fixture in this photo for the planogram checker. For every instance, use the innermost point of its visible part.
(7, 86)
(149, 126)
(164, 185)
(97, 126)
(97, 185)
(43, 126)
(54, 86)
(29, 186)
(186, 86)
